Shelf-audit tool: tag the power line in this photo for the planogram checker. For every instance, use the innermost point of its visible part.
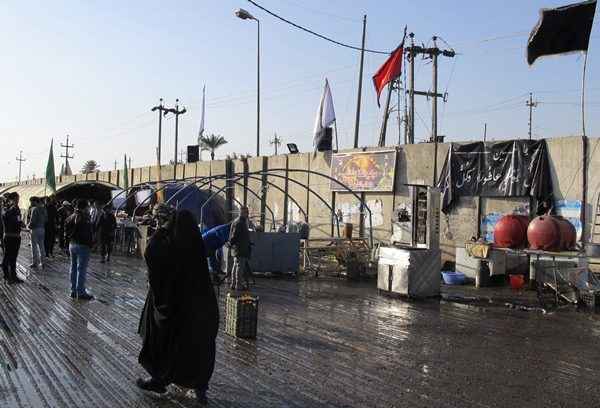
(323, 37)
(324, 13)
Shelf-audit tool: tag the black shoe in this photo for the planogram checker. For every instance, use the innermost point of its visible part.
(201, 398)
(73, 295)
(15, 280)
(85, 296)
(151, 385)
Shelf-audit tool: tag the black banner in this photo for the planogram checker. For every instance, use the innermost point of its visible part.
(515, 168)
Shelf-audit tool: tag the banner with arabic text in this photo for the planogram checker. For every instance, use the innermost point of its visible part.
(515, 168)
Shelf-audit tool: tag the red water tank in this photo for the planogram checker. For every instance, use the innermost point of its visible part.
(511, 231)
(551, 233)
(568, 235)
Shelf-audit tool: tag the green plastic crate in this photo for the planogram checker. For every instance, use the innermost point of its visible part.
(241, 315)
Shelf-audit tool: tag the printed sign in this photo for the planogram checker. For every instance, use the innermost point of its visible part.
(364, 171)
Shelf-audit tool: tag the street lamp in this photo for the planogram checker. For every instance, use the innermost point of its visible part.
(244, 15)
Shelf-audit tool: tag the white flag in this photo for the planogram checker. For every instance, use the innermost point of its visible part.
(325, 113)
(201, 131)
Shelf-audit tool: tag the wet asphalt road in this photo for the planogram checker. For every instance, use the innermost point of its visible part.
(322, 343)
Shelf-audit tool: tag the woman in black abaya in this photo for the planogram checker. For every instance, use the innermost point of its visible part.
(180, 320)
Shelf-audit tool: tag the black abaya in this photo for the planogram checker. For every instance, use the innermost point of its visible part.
(180, 319)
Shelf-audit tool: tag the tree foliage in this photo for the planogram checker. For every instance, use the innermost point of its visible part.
(90, 166)
(212, 143)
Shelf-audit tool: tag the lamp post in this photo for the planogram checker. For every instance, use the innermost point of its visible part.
(244, 15)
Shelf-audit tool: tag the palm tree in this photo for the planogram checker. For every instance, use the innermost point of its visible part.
(90, 166)
(212, 143)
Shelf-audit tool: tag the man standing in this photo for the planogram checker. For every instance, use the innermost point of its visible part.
(239, 241)
(37, 225)
(51, 211)
(107, 224)
(78, 228)
(63, 213)
(214, 239)
(11, 220)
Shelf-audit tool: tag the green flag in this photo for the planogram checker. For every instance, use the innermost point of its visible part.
(50, 177)
(125, 173)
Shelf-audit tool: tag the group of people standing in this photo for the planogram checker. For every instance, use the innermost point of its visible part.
(77, 226)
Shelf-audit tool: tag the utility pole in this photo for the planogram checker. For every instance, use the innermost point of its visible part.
(434, 114)
(66, 156)
(531, 104)
(275, 142)
(484, 132)
(162, 111)
(411, 92)
(406, 122)
(115, 165)
(129, 166)
(176, 112)
(360, 78)
(20, 159)
(433, 53)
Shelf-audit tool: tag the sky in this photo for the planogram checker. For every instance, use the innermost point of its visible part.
(94, 69)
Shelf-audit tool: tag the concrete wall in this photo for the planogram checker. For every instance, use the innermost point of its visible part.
(414, 167)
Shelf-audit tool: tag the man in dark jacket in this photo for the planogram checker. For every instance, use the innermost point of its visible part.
(180, 320)
(79, 230)
(239, 242)
(62, 214)
(50, 231)
(11, 220)
(107, 224)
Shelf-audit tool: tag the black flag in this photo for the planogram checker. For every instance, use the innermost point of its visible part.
(562, 29)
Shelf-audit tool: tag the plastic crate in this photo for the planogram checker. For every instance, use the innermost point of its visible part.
(590, 299)
(241, 315)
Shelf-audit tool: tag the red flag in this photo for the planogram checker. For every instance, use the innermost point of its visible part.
(389, 71)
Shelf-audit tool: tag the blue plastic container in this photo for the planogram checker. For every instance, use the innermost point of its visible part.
(453, 278)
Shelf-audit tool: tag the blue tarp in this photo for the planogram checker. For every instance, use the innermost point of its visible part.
(190, 197)
(216, 237)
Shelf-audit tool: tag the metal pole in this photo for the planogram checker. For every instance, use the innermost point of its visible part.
(176, 127)
(398, 114)
(160, 112)
(258, 91)
(530, 112)
(434, 124)
(337, 147)
(583, 93)
(484, 132)
(411, 92)
(386, 115)
(360, 78)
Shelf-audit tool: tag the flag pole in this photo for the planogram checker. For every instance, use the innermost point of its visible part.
(583, 93)
(337, 147)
